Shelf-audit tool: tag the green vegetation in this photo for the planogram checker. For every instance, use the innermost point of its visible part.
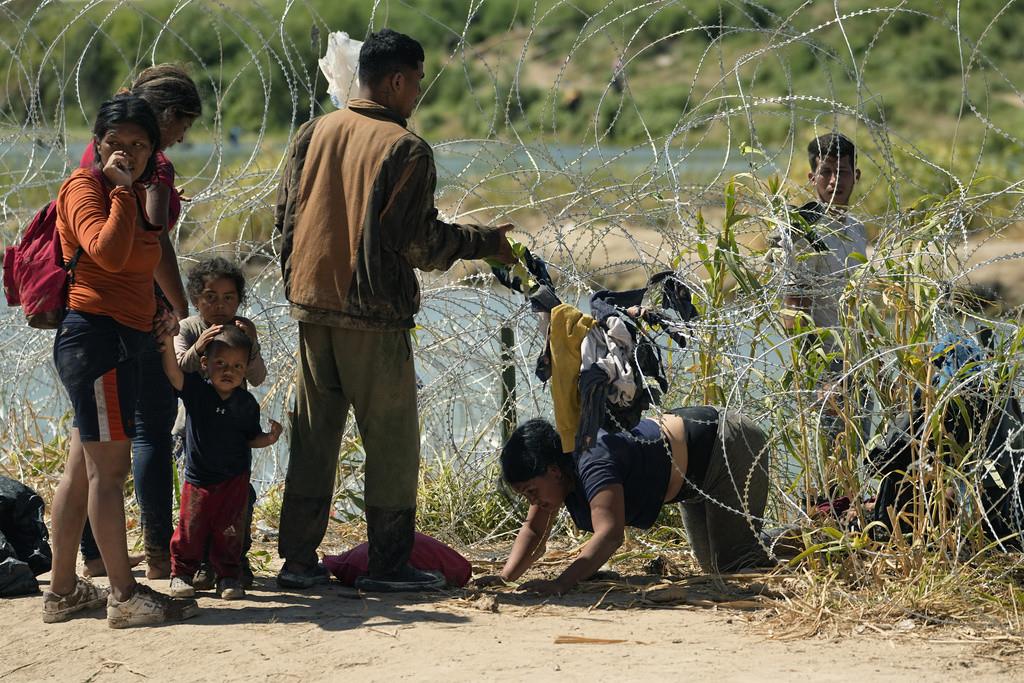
(548, 69)
(700, 75)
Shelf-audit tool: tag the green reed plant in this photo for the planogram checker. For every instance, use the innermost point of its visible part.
(939, 561)
(891, 312)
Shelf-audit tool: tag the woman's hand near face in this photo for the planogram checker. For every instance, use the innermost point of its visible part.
(118, 169)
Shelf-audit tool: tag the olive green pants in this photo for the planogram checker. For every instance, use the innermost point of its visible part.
(723, 519)
(373, 372)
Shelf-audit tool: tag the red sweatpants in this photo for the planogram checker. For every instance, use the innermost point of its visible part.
(211, 516)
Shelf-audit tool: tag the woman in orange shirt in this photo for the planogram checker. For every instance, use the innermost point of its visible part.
(111, 315)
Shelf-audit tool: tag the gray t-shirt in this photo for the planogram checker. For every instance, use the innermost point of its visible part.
(821, 271)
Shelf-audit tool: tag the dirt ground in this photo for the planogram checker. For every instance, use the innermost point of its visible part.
(332, 632)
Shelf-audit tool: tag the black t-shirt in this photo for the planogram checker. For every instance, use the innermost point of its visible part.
(640, 460)
(217, 431)
(701, 431)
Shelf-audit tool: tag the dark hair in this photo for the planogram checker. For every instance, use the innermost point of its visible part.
(385, 52)
(231, 337)
(214, 269)
(128, 108)
(831, 145)
(170, 91)
(532, 448)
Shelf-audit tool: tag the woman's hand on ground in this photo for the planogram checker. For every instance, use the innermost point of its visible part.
(542, 587)
(489, 581)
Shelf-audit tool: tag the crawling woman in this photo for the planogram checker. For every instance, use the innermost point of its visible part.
(711, 461)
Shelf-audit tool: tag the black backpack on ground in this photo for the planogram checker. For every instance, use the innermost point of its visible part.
(24, 540)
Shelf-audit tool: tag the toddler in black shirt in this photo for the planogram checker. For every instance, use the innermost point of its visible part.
(222, 426)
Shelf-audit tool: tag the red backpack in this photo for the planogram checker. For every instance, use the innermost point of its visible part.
(35, 274)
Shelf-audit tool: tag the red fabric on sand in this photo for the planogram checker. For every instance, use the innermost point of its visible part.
(428, 554)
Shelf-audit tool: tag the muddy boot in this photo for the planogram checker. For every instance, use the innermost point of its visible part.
(390, 533)
(158, 563)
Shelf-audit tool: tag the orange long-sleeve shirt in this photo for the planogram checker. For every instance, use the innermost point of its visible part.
(114, 275)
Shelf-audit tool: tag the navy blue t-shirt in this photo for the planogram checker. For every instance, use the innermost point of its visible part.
(638, 459)
(217, 431)
(641, 461)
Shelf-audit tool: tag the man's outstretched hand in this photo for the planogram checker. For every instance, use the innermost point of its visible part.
(505, 254)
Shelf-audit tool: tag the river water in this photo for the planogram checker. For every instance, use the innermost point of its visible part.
(457, 341)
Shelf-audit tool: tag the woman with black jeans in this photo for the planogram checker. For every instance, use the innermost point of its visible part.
(174, 99)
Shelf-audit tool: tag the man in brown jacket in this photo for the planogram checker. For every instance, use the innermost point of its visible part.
(356, 212)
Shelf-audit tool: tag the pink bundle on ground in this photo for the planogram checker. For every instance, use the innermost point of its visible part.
(428, 554)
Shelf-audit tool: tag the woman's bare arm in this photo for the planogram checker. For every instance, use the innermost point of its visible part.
(608, 515)
(530, 544)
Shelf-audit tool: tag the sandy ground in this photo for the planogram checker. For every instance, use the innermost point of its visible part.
(333, 632)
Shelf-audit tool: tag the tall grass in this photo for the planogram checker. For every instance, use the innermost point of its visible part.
(938, 562)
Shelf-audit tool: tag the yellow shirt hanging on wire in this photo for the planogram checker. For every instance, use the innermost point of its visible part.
(569, 327)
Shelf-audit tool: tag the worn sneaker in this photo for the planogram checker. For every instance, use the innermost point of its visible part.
(84, 596)
(181, 587)
(287, 578)
(230, 589)
(204, 579)
(147, 607)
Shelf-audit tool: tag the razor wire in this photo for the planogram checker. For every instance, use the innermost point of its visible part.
(546, 154)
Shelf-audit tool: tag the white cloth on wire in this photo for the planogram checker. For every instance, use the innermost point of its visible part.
(611, 350)
(340, 64)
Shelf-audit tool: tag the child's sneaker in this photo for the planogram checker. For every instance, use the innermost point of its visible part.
(230, 589)
(146, 607)
(84, 596)
(204, 579)
(181, 587)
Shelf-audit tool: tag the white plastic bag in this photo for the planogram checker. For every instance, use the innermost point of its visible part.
(340, 64)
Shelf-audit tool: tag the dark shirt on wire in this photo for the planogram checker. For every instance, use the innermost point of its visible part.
(217, 431)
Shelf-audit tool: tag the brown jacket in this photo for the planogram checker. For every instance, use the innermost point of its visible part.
(356, 212)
